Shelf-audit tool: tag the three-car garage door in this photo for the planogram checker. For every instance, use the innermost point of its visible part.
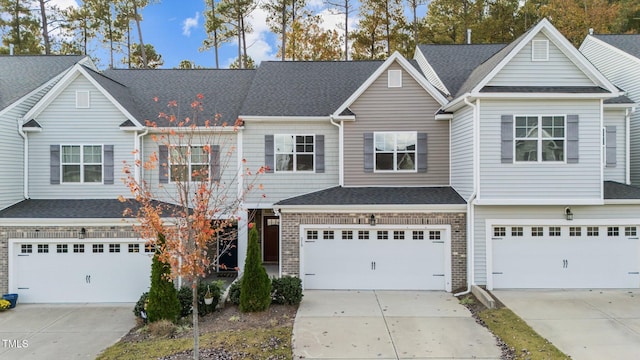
(58, 271)
(376, 258)
(565, 256)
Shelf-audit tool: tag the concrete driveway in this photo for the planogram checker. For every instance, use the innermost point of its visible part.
(388, 325)
(78, 331)
(584, 324)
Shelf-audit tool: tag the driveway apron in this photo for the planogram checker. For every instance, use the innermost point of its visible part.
(388, 325)
(584, 324)
(78, 331)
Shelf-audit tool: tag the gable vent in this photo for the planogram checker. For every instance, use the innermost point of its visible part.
(394, 78)
(540, 50)
(82, 99)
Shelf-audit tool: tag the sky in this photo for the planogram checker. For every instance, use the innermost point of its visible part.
(176, 29)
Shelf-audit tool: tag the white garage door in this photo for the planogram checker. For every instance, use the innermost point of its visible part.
(565, 257)
(384, 258)
(71, 271)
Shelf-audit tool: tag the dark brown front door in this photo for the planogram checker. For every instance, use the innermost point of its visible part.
(271, 238)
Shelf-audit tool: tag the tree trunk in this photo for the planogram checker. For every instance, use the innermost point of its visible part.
(239, 42)
(293, 38)
(128, 44)
(244, 44)
(17, 26)
(387, 26)
(196, 331)
(45, 30)
(346, 30)
(414, 5)
(142, 50)
(215, 31)
(284, 27)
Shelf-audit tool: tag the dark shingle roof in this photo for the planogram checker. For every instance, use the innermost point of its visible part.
(70, 209)
(618, 191)
(629, 43)
(32, 124)
(20, 75)
(454, 63)
(224, 92)
(546, 89)
(120, 92)
(305, 88)
(444, 195)
(619, 100)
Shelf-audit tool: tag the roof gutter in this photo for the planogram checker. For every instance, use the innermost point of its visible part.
(25, 151)
(340, 150)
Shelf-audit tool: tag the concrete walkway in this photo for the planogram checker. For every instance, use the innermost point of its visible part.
(78, 331)
(388, 325)
(584, 324)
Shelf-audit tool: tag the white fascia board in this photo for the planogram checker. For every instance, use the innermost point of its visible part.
(284, 118)
(132, 129)
(444, 116)
(458, 102)
(534, 95)
(396, 56)
(564, 45)
(369, 208)
(490, 223)
(32, 129)
(80, 222)
(198, 129)
(622, 202)
(30, 94)
(621, 106)
(524, 201)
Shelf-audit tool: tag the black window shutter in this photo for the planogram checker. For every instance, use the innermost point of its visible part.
(269, 153)
(108, 164)
(319, 153)
(54, 164)
(215, 163)
(163, 166)
(572, 139)
(368, 152)
(506, 136)
(611, 146)
(422, 152)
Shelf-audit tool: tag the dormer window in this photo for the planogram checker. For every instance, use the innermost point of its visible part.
(82, 99)
(540, 50)
(394, 78)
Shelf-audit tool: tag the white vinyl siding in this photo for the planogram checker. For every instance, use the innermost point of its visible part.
(559, 70)
(620, 214)
(624, 71)
(462, 152)
(282, 185)
(381, 109)
(63, 123)
(428, 71)
(618, 171)
(545, 180)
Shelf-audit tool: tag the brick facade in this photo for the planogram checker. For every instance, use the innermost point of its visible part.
(53, 232)
(290, 235)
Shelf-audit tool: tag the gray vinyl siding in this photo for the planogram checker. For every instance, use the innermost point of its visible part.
(558, 71)
(462, 152)
(409, 108)
(543, 180)
(624, 71)
(617, 118)
(62, 124)
(483, 213)
(283, 185)
(11, 158)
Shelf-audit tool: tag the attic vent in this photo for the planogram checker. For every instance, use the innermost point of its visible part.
(540, 50)
(394, 78)
(82, 99)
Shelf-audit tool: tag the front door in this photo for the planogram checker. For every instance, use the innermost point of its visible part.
(271, 238)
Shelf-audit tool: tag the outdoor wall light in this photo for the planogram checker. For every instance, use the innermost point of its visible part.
(372, 220)
(82, 233)
(568, 213)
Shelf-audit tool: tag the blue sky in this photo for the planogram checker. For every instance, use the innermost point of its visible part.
(176, 30)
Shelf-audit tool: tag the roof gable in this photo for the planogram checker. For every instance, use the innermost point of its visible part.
(628, 43)
(396, 57)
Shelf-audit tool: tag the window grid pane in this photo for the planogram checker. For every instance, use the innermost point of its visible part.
(78, 248)
(398, 235)
(630, 231)
(592, 231)
(434, 235)
(499, 231)
(26, 249)
(62, 248)
(43, 248)
(98, 248)
(418, 235)
(328, 235)
(575, 231)
(383, 235)
(554, 231)
(114, 248)
(517, 231)
(294, 152)
(539, 138)
(613, 231)
(363, 235)
(347, 235)
(537, 231)
(312, 234)
(395, 151)
(134, 248)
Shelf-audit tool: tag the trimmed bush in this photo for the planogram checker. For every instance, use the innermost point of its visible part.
(185, 296)
(137, 310)
(234, 293)
(286, 290)
(255, 293)
(163, 296)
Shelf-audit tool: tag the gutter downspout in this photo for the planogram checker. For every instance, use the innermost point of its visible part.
(26, 159)
(340, 150)
(138, 158)
(470, 206)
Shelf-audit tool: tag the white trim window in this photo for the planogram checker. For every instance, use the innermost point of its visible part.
(81, 163)
(295, 152)
(395, 151)
(540, 138)
(189, 163)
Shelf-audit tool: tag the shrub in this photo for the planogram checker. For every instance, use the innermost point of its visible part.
(234, 293)
(286, 290)
(185, 296)
(162, 328)
(255, 294)
(140, 305)
(163, 296)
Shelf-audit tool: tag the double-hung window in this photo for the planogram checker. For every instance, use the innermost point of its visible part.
(189, 163)
(81, 163)
(540, 138)
(395, 151)
(294, 152)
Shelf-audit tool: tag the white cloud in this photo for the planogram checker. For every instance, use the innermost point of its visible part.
(190, 23)
(63, 4)
(258, 48)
